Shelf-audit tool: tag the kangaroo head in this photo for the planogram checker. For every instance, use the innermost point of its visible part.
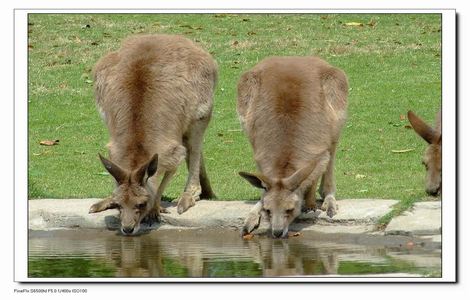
(432, 161)
(282, 198)
(432, 155)
(132, 196)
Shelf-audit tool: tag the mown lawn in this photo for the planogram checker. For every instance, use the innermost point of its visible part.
(392, 60)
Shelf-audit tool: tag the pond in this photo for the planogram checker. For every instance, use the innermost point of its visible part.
(223, 253)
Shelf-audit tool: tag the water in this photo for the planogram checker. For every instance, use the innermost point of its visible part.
(223, 253)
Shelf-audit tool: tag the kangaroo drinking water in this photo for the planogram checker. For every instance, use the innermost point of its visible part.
(293, 110)
(155, 96)
(433, 154)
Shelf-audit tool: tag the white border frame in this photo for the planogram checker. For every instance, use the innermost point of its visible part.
(449, 196)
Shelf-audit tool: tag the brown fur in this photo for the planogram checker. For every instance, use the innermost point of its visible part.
(433, 153)
(155, 95)
(293, 110)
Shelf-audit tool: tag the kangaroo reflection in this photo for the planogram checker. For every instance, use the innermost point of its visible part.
(216, 255)
(222, 253)
(292, 257)
(130, 258)
(144, 256)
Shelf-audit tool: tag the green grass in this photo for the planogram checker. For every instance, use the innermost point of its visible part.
(68, 267)
(393, 63)
(390, 266)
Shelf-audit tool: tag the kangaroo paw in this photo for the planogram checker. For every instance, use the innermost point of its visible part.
(152, 217)
(251, 223)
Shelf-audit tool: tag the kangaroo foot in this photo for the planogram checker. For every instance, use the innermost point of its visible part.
(185, 202)
(329, 205)
(195, 191)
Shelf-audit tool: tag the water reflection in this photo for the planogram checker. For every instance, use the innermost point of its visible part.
(197, 253)
(289, 258)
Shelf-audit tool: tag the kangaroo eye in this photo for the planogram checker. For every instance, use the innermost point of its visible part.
(425, 165)
(268, 211)
(141, 206)
(289, 211)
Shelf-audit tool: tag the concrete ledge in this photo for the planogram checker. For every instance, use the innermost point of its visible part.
(355, 215)
(423, 219)
(66, 213)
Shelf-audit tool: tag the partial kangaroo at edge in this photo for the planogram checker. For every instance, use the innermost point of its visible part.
(433, 153)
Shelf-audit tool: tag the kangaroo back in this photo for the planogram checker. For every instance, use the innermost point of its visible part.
(292, 109)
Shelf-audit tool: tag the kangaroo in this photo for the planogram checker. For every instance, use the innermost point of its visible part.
(292, 110)
(432, 155)
(155, 96)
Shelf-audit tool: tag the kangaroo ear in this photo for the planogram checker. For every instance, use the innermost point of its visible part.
(117, 172)
(257, 180)
(421, 128)
(313, 170)
(146, 171)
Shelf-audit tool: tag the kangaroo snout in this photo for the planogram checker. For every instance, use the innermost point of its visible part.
(434, 191)
(279, 233)
(127, 230)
